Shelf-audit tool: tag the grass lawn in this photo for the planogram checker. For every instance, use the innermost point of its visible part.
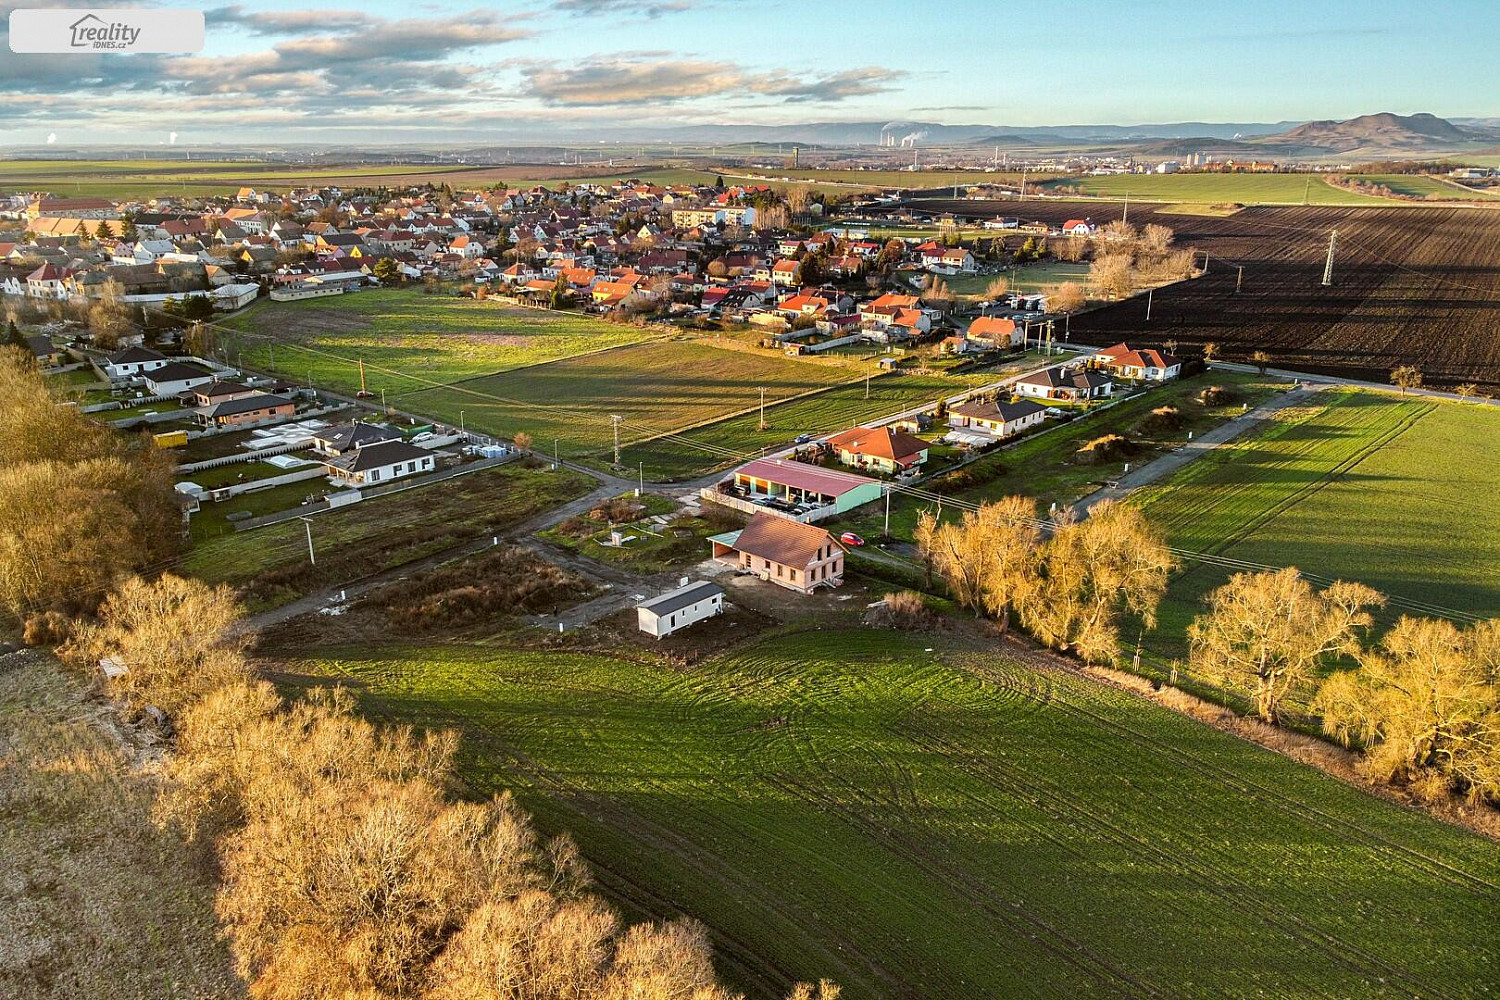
(1395, 493)
(1026, 278)
(658, 387)
(428, 338)
(1270, 189)
(915, 820)
(1042, 466)
(74, 379)
(376, 534)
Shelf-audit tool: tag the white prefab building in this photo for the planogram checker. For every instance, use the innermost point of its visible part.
(677, 609)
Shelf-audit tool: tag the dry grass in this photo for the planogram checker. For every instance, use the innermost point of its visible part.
(94, 900)
(511, 580)
(1105, 450)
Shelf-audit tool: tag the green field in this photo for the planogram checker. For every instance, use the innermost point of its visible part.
(408, 340)
(1269, 189)
(880, 178)
(827, 412)
(912, 819)
(372, 535)
(141, 179)
(1394, 492)
(654, 388)
(1025, 278)
(1419, 186)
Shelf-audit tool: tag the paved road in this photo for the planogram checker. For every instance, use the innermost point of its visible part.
(1169, 463)
(1356, 383)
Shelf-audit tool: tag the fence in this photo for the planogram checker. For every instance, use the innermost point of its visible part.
(300, 475)
(249, 456)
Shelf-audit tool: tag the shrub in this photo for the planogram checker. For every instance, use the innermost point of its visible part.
(905, 610)
(1215, 395)
(50, 628)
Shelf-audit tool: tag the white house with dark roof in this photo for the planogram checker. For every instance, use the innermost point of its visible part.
(677, 609)
(133, 361)
(385, 462)
(175, 377)
(339, 438)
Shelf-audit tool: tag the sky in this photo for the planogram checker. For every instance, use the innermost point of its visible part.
(284, 71)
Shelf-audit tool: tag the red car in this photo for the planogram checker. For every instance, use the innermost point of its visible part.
(850, 538)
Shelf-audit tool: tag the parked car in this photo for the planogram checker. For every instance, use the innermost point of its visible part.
(850, 538)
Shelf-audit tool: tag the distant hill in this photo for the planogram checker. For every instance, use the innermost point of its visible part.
(1380, 133)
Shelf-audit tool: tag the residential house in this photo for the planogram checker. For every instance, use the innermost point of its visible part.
(1065, 382)
(997, 418)
(46, 282)
(175, 377)
(248, 409)
(996, 331)
(46, 353)
(677, 609)
(369, 464)
(883, 449)
(1078, 227)
(217, 391)
(133, 361)
(800, 557)
(334, 441)
(1145, 365)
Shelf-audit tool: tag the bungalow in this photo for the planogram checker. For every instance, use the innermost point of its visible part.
(1064, 382)
(249, 409)
(996, 332)
(133, 361)
(799, 557)
(1078, 227)
(881, 448)
(175, 377)
(677, 609)
(380, 463)
(339, 438)
(996, 418)
(1146, 365)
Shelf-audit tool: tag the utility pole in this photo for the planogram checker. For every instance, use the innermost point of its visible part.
(311, 556)
(1239, 279)
(642, 470)
(867, 387)
(1333, 238)
(1125, 213)
(762, 407)
(615, 421)
(461, 431)
(1148, 304)
(887, 532)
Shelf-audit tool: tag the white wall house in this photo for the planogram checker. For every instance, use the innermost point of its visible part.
(677, 609)
(380, 463)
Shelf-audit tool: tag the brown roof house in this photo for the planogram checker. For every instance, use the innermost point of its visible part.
(800, 557)
(884, 449)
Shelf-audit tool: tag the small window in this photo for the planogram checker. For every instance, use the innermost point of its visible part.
(794, 575)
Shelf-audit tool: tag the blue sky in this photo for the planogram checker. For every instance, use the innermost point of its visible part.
(292, 71)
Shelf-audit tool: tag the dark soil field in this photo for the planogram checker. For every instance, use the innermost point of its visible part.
(1411, 285)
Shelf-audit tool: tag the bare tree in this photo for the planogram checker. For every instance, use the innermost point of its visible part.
(1425, 705)
(1262, 360)
(1407, 377)
(1268, 634)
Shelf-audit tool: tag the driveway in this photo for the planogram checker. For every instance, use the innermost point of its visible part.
(1169, 463)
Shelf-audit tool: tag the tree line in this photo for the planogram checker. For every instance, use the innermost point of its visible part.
(1422, 703)
(348, 869)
